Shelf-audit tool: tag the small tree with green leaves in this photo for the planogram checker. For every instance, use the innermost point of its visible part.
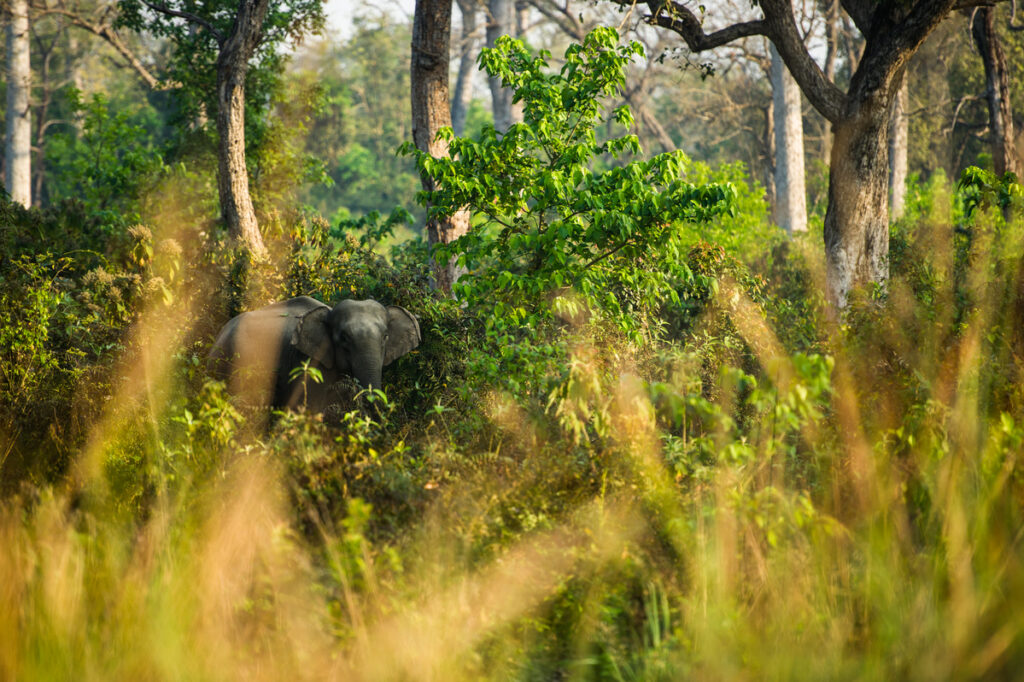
(558, 209)
(108, 164)
(224, 48)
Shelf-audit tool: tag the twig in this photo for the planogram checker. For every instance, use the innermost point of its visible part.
(959, 105)
(188, 16)
(1014, 26)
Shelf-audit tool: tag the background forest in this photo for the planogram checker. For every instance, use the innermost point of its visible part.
(640, 439)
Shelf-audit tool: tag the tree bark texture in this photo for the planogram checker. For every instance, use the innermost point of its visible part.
(18, 139)
(898, 136)
(467, 65)
(997, 90)
(831, 54)
(857, 219)
(790, 207)
(501, 21)
(233, 176)
(856, 230)
(431, 38)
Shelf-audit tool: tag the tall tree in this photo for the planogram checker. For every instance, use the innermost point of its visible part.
(18, 140)
(790, 206)
(227, 35)
(997, 89)
(501, 20)
(470, 11)
(431, 47)
(898, 139)
(236, 49)
(831, 56)
(857, 221)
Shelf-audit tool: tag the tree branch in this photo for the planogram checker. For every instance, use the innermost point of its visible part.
(677, 17)
(52, 122)
(956, 111)
(569, 24)
(895, 38)
(597, 259)
(1012, 24)
(188, 16)
(111, 36)
(779, 26)
(108, 34)
(861, 12)
(782, 31)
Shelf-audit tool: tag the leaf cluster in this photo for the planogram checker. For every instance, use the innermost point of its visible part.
(548, 219)
(196, 31)
(980, 188)
(109, 164)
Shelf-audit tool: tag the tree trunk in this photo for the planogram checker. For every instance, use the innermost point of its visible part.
(997, 90)
(898, 135)
(18, 142)
(857, 220)
(467, 62)
(502, 21)
(233, 177)
(431, 37)
(522, 17)
(831, 53)
(790, 193)
(768, 152)
(44, 96)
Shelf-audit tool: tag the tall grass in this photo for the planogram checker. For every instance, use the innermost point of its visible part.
(684, 513)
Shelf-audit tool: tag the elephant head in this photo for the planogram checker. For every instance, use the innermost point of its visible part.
(357, 337)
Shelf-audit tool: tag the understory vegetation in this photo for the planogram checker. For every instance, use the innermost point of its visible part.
(638, 445)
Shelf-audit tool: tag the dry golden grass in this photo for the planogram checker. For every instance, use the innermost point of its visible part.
(748, 575)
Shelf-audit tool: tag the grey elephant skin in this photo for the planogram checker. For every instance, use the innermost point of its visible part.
(257, 351)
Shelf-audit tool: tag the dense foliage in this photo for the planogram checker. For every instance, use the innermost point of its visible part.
(366, 116)
(637, 447)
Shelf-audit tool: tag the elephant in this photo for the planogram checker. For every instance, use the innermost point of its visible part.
(260, 353)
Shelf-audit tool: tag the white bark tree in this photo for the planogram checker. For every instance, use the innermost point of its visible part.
(898, 135)
(790, 207)
(18, 140)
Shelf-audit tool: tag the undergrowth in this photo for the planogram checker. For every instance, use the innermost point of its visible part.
(718, 479)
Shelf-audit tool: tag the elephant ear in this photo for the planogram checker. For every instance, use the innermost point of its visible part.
(403, 333)
(312, 337)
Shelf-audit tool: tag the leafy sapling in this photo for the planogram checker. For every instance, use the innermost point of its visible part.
(305, 371)
(558, 208)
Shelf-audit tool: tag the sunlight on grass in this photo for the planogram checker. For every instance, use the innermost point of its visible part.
(806, 518)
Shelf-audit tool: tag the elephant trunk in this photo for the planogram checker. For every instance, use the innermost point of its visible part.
(366, 368)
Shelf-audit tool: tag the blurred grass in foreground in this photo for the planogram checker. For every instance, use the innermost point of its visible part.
(715, 507)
